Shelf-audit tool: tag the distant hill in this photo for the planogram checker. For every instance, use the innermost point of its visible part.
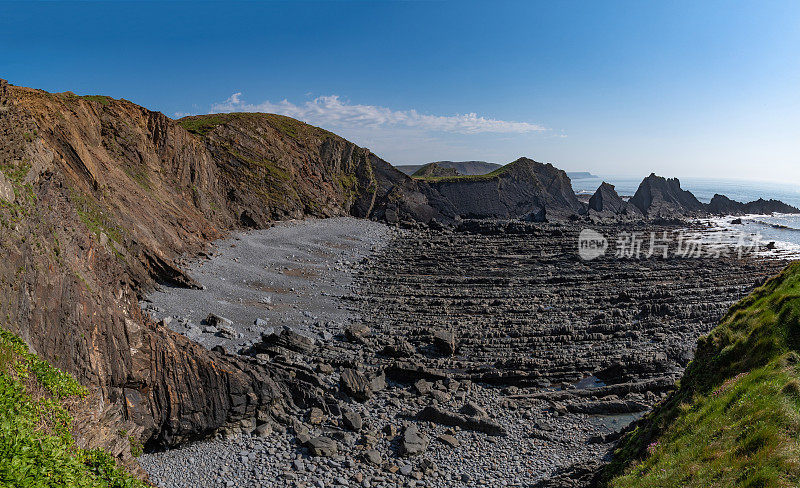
(462, 167)
(433, 169)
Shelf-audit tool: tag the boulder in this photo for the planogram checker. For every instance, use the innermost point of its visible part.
(414, 442)
(442, 417)
(322, 446)
(357, 333)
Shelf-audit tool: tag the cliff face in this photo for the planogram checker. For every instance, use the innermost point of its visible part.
(523, 189)
(101, 197)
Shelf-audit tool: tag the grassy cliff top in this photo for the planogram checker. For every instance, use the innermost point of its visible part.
(204, 124)
(735, 418)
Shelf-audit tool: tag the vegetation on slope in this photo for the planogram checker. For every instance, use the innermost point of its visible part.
(36, 447)
(203, 124)
(735, 418)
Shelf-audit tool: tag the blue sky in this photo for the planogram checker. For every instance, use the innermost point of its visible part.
(622, 88)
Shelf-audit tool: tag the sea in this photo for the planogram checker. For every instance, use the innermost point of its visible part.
(783, 229)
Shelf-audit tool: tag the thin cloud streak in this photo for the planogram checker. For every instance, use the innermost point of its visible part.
(332, 111)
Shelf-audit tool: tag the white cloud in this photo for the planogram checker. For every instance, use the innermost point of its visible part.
(333, 112)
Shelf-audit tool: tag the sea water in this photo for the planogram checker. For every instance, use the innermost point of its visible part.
(783, 229)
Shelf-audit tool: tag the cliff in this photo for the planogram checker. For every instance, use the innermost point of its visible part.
(101, 198)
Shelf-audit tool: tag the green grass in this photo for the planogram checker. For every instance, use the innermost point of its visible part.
(36, 446)
(735, 418)
(203, 124)
(101, 99)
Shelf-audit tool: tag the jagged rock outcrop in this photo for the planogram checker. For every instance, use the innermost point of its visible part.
(606, 202)
(523, 189)
(661, 197)
(722, 205)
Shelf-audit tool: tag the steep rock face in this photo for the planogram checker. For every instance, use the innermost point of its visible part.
(661, 197)
(606, 201)
(275, 167)
(105, 196)
(523, 189)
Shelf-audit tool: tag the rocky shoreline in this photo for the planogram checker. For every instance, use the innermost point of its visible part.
(485, 355)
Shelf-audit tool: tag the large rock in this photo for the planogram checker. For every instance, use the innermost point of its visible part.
(445, 342)
(274, 341)
(443, 417)
(414, 442)
(524, 189)
(322, 446)
(722, 205)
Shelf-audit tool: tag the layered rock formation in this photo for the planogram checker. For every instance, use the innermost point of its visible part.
(101, 197)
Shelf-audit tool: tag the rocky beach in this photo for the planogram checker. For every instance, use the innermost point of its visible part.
(485, 354)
